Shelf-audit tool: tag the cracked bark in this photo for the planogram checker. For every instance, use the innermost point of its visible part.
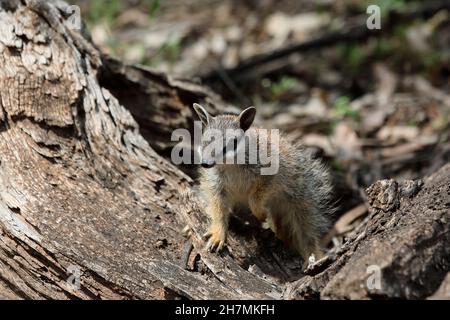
(405, 238)
(85, 183)
(80, 187)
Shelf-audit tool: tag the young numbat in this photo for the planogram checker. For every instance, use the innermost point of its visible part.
(283, 186)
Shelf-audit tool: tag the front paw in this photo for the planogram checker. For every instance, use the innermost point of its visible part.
(216, 236)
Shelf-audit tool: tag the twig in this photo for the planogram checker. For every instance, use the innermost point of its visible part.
(354, 32)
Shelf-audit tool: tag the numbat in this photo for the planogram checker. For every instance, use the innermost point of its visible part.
(294, 201)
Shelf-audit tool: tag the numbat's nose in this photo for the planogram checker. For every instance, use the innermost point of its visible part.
(207, 164)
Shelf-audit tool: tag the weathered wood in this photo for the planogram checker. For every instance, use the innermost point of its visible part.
(79, 185)
(159, 103)
(406, 238)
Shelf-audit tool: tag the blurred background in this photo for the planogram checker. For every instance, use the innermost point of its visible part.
(374, 103)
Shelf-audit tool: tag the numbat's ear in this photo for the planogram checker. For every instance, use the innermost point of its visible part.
(202, 114)
(246, 118)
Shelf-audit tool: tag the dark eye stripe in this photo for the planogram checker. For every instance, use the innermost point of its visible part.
(235, 143)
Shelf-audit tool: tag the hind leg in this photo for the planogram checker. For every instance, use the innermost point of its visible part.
(308, 246)
(311, 252)
(305, 238)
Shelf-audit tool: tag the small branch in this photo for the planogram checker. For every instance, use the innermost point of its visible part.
(356, 31)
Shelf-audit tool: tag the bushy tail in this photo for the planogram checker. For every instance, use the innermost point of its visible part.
(309, 217)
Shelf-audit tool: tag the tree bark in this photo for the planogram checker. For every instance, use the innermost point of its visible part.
(85, 185)
(81, 188)
(404, 242)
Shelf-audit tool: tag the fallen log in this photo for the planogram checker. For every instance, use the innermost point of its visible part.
(87, 206)
(401, 251)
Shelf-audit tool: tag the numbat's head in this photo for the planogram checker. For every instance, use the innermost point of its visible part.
(222, 135)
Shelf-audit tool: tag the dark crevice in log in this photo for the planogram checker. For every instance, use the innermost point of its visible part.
(159, 103)
(11, 286)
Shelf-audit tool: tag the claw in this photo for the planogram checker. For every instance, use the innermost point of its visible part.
(215, 242)
(210, 245)
(206, 235)
(220, 246)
